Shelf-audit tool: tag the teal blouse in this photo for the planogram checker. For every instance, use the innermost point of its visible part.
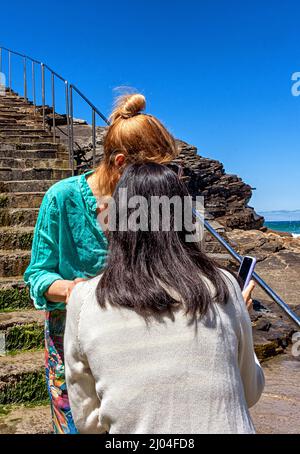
(68, 241)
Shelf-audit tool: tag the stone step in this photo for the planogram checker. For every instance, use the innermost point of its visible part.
(22, 378)
(34, 154)
(13, 263)
(26, 139)
(8, 174)
(21, 217)
(14, 123)
(22, 330)
(32, 162)
(21, 199)
(9, 125)
(7, 132)
(46, 145)
(13, 95)
(26, 186)
(14, 295)
(26, 419)
(14, 102)
(19, 109)
(15, 108)
(16, 238)
(17, 115)
(6, 101)
(7, 121)
(20, 99)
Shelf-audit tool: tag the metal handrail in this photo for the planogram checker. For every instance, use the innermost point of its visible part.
(69, 88)
(267, 289)
(94, 112)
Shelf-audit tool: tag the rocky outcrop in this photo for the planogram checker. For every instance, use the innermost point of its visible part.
(226, 196)
(278, 257)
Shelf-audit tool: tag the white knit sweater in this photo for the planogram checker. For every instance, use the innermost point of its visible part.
(124, 376)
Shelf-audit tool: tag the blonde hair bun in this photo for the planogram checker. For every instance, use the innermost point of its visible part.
(128, 106)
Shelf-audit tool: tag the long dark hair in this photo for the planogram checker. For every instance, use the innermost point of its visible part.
(143, 265)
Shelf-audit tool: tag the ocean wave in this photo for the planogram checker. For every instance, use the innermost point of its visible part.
(296, 235)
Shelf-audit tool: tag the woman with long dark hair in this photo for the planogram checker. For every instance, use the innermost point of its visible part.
(161, 342)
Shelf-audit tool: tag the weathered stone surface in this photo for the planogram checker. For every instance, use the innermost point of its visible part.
(22, 378)
(26, 186)
(16, 237)
(278, 410)
(25, 217)
(226, 196)
(13, 263)
(26, 420)
(14, 295)
(21, 200)
(22, 330)
(34, 174)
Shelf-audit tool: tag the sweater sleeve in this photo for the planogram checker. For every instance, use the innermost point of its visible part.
(84, 401)
(43, 268)
(250, 369)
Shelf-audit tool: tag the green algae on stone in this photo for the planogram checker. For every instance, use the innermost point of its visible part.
(24, 337)
(8, 408)
(25, 240)
(16, 239)
(14, 298)
(3, 201)
(30, 387)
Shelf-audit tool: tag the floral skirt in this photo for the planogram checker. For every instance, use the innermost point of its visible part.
(55, 373)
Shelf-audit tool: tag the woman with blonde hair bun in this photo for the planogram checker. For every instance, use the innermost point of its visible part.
(132, 138)
(69, 244)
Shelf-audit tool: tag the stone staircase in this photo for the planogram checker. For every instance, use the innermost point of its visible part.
(29, 164)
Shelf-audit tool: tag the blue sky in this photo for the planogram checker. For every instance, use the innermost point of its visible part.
(217, 73)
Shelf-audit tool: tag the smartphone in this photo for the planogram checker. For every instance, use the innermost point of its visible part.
(246, 270)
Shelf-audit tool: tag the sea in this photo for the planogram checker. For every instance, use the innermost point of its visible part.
(292, 227)
(283, 221)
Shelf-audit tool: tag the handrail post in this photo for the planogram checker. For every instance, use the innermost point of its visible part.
(9, 70)
(53, 106)
(33, 85)
(43, 92)
(71, 131)
(68, 119)
(94, 136)
(25, 78)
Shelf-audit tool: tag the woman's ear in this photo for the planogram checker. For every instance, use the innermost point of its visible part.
(119, 160)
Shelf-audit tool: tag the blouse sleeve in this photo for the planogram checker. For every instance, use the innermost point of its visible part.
(250, 369)
(43, 268)
(84, 401)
